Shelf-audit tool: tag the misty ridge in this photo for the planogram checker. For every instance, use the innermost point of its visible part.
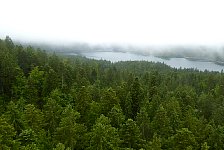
(200, 53)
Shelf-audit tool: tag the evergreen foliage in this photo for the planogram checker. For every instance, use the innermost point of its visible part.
(51, 101)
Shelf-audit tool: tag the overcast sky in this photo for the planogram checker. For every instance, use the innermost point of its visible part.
(148, 22)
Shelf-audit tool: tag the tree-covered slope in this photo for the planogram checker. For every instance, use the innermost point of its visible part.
(70, 102)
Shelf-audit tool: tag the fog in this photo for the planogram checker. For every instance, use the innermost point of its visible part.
(145, 22)
(169, 28)
(193, 52)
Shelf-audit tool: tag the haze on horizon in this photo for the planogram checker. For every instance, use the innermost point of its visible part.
(136, 22)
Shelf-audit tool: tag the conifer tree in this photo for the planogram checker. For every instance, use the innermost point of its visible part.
(103, 135)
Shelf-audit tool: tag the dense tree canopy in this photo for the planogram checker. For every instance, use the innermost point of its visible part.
(51, 101)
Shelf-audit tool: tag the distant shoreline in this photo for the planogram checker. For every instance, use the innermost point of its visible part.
(220, 63)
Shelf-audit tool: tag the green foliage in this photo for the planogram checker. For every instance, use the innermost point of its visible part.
(69, 131)
(50, 101)
(216, 139)
(35, 87)
(143, 121)
(52, 113)
(128, 106)
(83, 101)
(174, 113)
(7, 134)
(130, 135)
(155, 144)
(136, 97)
(51, 81)
(8, 71)
(218, 115)
(116, 116)
(33, 118)
(205, 146)
(27, 137)
(184, 139)
(103, 135)
(161, 123)
(108, 100)
(14, 116)
(61, 146)
(32, 146)
(93, 113)
(206, 105)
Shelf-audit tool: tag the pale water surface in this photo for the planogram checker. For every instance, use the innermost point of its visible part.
(173, 62)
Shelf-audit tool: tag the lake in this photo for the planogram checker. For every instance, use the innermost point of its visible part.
(173, 62)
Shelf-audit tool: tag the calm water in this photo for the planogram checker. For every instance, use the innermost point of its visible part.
(173, 62)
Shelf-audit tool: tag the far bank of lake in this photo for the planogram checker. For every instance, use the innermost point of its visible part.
(173, 62)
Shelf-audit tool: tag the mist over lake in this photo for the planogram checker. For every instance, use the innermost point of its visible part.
(173, 62)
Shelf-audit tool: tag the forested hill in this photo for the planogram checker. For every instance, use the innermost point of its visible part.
(51, 102)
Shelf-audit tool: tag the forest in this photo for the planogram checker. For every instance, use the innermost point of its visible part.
(54, 102)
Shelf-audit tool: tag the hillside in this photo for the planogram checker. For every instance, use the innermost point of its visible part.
(50, 101)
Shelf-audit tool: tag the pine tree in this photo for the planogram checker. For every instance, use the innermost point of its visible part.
(184, 139)
(143, 121)
(35, 87)
(131, 135)
(14, 116)
(156, 143)
(109, 100)
(7, 134)
(103, 135)
(33, 118)
(52, 113)
(93, 113)
(216, 139)
(69, 131)
(82, 103)
(116, 116)
(128, 106)
(161, 123)
(174, 114)
(136, 97)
